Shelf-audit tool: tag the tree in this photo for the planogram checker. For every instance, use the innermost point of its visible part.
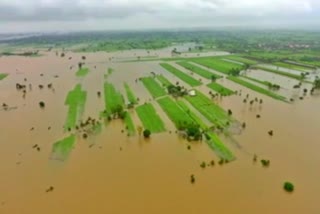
(317, 83)
(42, 104)
(213, 78)
(146, 133)
(289, 187)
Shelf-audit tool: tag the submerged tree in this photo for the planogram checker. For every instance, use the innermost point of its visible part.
(288, 186)
(146, 133)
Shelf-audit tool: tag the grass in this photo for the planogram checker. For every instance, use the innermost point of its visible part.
(82, 72)
(220, 89)
(176, 114)
(113, 99)
(62, 148)
(218, 64)
(257, 88)
(131, 97)
(241, 59)
(291, 66)
(75, 100)
(150, 119)
(184, 77)
(286, 74)
(129, 124)
(2, 76)
(218, 146)
(164, 81)
(153, 87)
(196, 69)
(208, 109)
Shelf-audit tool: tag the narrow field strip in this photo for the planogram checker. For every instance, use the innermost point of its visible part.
(150, 119)
(130, 95)
(220, 89)
(153, 87)
(200, 71)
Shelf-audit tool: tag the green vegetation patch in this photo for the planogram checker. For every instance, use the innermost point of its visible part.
(177, 115)
(256, 88)
(2, 76)
(113, 99)
(150, 119)
(153, 87)
(218, 146)
(76, 100)
(241, 59)
(286, 74)
(183, 76)
(207, 108)
(266, 83)
(191, 114)
(291, 66)
(218, 64)
(62, 148)
(164, 81)
(200, 71)
(220, 89)
(131, 97)
(82, 72)
(129, 124)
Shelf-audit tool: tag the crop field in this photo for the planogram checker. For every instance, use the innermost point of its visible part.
(257, 88)
(150, 119)
(207, 108)
(196, 69)
(199, 121)
(240, 59)
(177, 115)
(183, 76)
(286, 74)
(2, 76)
(291, 66)
(266, 83)
(130, 95)
(76, 100)
(113, 99)
(62, 148)
(82, 72)
(218, 64)
(153, 87)
(164, 81)
(219, 147)
(220, 89)
(129, 124)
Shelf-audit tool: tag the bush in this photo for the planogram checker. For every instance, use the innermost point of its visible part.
(42, 104)
(289, 187)
(146, 133)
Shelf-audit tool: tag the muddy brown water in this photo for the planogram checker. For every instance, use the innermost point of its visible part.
(121, 174)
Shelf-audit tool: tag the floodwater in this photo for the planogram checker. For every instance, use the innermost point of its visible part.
(121, 174)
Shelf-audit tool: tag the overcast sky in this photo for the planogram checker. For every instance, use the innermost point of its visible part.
(71, 15)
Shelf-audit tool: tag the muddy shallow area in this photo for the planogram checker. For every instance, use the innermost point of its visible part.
(113, 173)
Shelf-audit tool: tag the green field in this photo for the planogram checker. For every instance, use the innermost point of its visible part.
(207, 108)
(82, 72)
(218, 64)
(150, 119)
(266, 83)
(113, 98)
(164, 81)
(130, 95)
(196, 119)
(220, 89)
(219, 147)
(286, 74)
(177, 115)
(240, 59)
(256, 88)
(291, 66)
(153, 87)
(196, 69)
(183, 76)
(2, 76)
(129, 124)
(76, 100)
(62, 148)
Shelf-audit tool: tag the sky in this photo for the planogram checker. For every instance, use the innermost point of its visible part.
(79, 15)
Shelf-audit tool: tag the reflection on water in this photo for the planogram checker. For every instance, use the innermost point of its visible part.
(113, 173)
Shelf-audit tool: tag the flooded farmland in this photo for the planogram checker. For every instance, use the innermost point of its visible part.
(111, 172)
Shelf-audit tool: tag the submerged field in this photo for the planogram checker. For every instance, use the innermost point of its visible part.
(85, 143)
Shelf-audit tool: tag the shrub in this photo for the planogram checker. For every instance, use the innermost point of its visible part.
(146, 133)
(289, 187)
